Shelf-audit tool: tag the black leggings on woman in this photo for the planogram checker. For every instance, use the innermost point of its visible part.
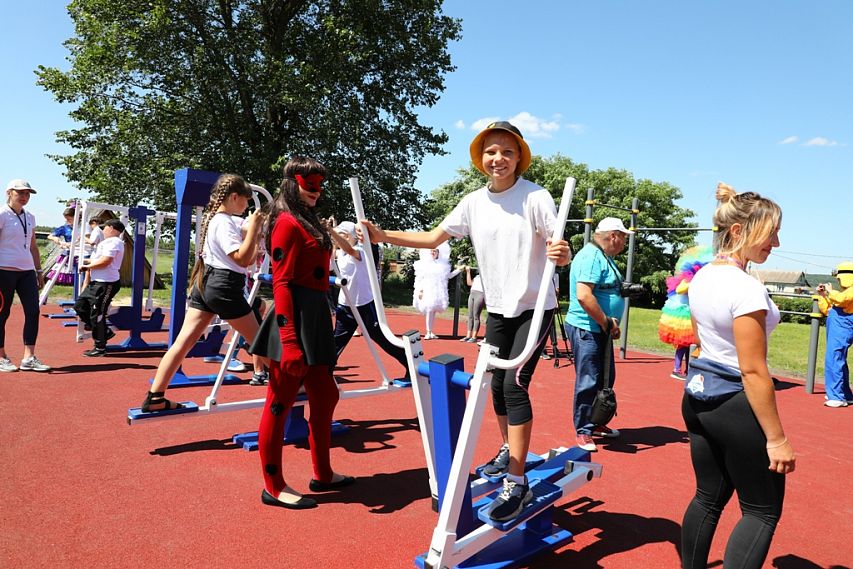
(509, 387)
(728, 450)
(25, 283)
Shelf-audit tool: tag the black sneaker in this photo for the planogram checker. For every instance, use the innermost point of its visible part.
(510, 501)
(259, 378)
(95, 353)
(110, 334)
(499, 465)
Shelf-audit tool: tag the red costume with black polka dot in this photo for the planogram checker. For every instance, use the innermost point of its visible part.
(300, 271)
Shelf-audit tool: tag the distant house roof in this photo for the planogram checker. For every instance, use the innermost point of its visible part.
(779, 277)
(814, 279)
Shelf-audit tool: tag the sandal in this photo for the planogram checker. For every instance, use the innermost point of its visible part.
(156, 398)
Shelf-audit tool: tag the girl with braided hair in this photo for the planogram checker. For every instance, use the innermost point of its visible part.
(297, 335)
(218, 280)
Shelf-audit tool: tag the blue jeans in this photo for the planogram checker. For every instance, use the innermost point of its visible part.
(588, 349)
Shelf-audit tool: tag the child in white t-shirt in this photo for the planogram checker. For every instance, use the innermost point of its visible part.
(104, 277)
(510, 222)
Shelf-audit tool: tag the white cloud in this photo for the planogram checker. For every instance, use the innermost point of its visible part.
(530, 125)
(820, 141)
(534, 127)
(482, 123)
(459, 124)
(789, 140)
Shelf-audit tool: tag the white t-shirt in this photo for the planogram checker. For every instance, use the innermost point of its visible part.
(16, 235)
(477, 284)
(508, 231)
(94, 237)
(223, 238)
(718, 295)
(109, 247)
(355, 272)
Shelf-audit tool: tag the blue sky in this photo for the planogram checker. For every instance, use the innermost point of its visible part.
(757, 94)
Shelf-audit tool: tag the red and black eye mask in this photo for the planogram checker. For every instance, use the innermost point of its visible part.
(310, 183)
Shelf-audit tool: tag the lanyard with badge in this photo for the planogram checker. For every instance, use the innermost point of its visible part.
(23, 222)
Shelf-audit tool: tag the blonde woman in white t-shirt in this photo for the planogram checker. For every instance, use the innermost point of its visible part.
(510, 222)
(737, 443)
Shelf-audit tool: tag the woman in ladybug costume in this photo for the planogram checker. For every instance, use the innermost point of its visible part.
(297, 335)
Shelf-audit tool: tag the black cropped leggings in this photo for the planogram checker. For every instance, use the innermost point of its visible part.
(25, 283)
(509, 387)
(728, 450)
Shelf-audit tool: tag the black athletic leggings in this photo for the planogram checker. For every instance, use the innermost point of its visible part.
(25, 283)
(509, 387)
(728, 450)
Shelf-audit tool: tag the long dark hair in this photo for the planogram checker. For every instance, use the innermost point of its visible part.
(288, 200)
(224, 186)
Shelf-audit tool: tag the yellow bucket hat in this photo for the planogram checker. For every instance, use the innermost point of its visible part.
(476, 148)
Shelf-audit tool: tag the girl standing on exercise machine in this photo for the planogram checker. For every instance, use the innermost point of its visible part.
(218, 279)
(297, 334)
(510, 221)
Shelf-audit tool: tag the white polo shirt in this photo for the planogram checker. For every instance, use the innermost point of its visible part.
(355, 272)
(223, 238)
(16, 234)
(109, 247)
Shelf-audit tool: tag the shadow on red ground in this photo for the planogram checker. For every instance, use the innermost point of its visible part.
(82, 489)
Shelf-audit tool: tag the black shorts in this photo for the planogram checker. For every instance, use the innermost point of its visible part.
(223, 294)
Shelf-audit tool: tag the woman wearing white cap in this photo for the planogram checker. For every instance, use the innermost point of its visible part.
(510, 221)
(21, 272)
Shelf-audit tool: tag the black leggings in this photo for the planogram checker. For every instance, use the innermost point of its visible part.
(728, 450)
(509, 387)
(25, 283)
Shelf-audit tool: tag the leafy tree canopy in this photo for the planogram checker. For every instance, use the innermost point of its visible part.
(242, 85)
(656, 253)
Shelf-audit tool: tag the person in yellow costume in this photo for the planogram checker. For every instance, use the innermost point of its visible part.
(838, 308)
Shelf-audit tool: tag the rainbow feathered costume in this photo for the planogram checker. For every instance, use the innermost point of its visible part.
(674, 326)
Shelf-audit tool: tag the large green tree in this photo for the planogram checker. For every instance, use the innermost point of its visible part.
(242, 85)
(656, 252)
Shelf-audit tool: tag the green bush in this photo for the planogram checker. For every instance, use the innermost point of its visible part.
(794, 305)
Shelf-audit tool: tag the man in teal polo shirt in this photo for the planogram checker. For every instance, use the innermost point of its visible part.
(592, 320)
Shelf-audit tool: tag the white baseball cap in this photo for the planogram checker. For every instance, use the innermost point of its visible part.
(612, 224)
(347, 227)
(19, 184)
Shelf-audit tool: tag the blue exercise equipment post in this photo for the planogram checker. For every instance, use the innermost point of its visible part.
(468, 537)
(130, 317)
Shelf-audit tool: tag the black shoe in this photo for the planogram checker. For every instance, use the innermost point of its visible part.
(499, 465)
(259, 378)
(110, 334)
(302, 504)
(511, 501)
(95, 352)
(317, 486)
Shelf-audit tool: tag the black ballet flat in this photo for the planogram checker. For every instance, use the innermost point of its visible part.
(317, 486)
(302, 504)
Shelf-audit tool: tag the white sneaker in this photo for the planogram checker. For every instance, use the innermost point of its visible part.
(236, 365)
(7, 365)
(829, 402)
(32, 363)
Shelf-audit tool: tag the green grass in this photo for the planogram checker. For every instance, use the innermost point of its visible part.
(787, 351)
